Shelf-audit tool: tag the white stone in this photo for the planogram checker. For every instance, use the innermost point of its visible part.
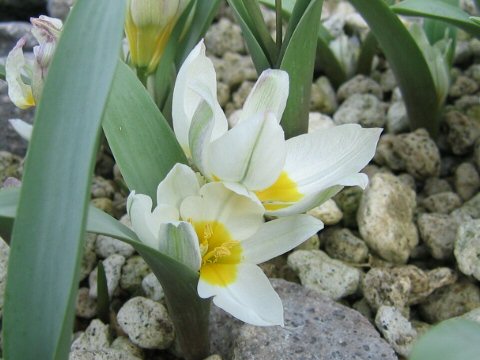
(152, 287)
(113, 270)
(467, 248)
(329, 212)
(95, 337)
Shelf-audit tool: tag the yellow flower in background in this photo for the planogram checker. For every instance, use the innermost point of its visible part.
(148, 26)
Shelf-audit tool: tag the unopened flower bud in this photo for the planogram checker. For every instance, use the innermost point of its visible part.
(148, 26)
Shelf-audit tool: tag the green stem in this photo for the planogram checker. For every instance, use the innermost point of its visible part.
(278, 18)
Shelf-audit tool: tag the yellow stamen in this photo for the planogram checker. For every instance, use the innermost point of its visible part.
(281, 194)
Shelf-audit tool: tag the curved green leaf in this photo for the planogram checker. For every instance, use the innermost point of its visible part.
(2, 72)
(457, 339)
(259, 56)
(367, 52)
(302, 45)
(103, 300)
(142, 142)
(407, 62)
(439, 10)
(48, 232)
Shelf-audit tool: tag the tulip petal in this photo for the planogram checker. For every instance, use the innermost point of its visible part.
(269, 94)
(252, 153)
(240, 215)
(146, 223)
(23, 128)
(200, 135)
(180, 242)
(196, 76)
(276, 237)
(19, 92)
(249, 298)
(179, 183)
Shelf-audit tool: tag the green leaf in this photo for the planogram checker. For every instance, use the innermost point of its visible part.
(188, 311)
(259, 56)
(143, 144)
(456, 338)
(439, 10)
(103, 300)
(204, 13)
(407, 62)
(2, 72)
(298, 60)
(48, 233)
(367, 52)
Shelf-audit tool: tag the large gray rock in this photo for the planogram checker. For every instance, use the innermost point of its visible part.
(385, 218)
(316, 328)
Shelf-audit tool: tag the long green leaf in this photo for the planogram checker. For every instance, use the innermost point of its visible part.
(49, 230)
(2, 72)
(259, 55)
(141, 140)
(103, 300)
(204, 13)
(189, 312)
(407, 63)
(439, 10)
(299, 60)
(367, 52)
(457, 339)
(260, 29)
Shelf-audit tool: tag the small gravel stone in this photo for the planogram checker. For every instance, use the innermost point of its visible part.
(11, 31)
(385, 218)
(152, 287)
(85, 306)
(106, 246)
(4, 253)
(442, 203)
(435, 185)
(388, 81)
(462, 85)
(113, 269)
(467, 181)
(10, 166)
(462, 132)
(104, 204)
(318, 121)
(312, 243)
(104, 354)
(133, 272)
(359, 84)
(329, 213)
(319, 272)
(348, 200)
(438, 231)
(386, 155)
(60, 8)
(467, 248)
(363, 109)
(213, 357)
(223, 93)
(224, 36)
(322, 97)
(233, 69)
(242, 93)
(102, 188)
(342, 245)
(89, 259)
(124, 345)
(419, 152)
(146, 323)
(450, 301)
(96, 337)
(397, 119)
(396, 329)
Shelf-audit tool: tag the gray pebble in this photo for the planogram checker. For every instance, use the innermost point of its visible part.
(462, 85)
(113, 269)
(467, 180)
(4, 253)
(359, 84)
(85, 306)
(442, 203)
(96, 337)
(152, 287)
(467, 248)
(329, 212)
(224, 36)
(363, 109)
(319, 272)
(133, 272)
(435, 185)
(342, 245)
(438, 231)
(322, 97)
(462, 132)
(146, 323)
(397, 118)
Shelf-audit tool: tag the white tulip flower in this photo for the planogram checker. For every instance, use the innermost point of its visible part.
(223, 236)
(253, 158)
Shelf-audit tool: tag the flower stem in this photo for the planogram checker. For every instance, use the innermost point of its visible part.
(278, 25)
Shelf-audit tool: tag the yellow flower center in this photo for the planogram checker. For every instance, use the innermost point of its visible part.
(281, 194)
(220, 253)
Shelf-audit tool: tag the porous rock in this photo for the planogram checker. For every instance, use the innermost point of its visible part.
(385, 218)
(113, 269)
(342, 244)
(467, 180)
(363, 109)
(133, 272)
(359, 84)
(396, 329)
(152, 287)
(462, 132)
(329, 213)
(438, 231)
(316, 328)
(327, 276)
(442, 203)
(224, 36)
(96, 337)
(146, 323)
(322, 97)
(467, 248)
